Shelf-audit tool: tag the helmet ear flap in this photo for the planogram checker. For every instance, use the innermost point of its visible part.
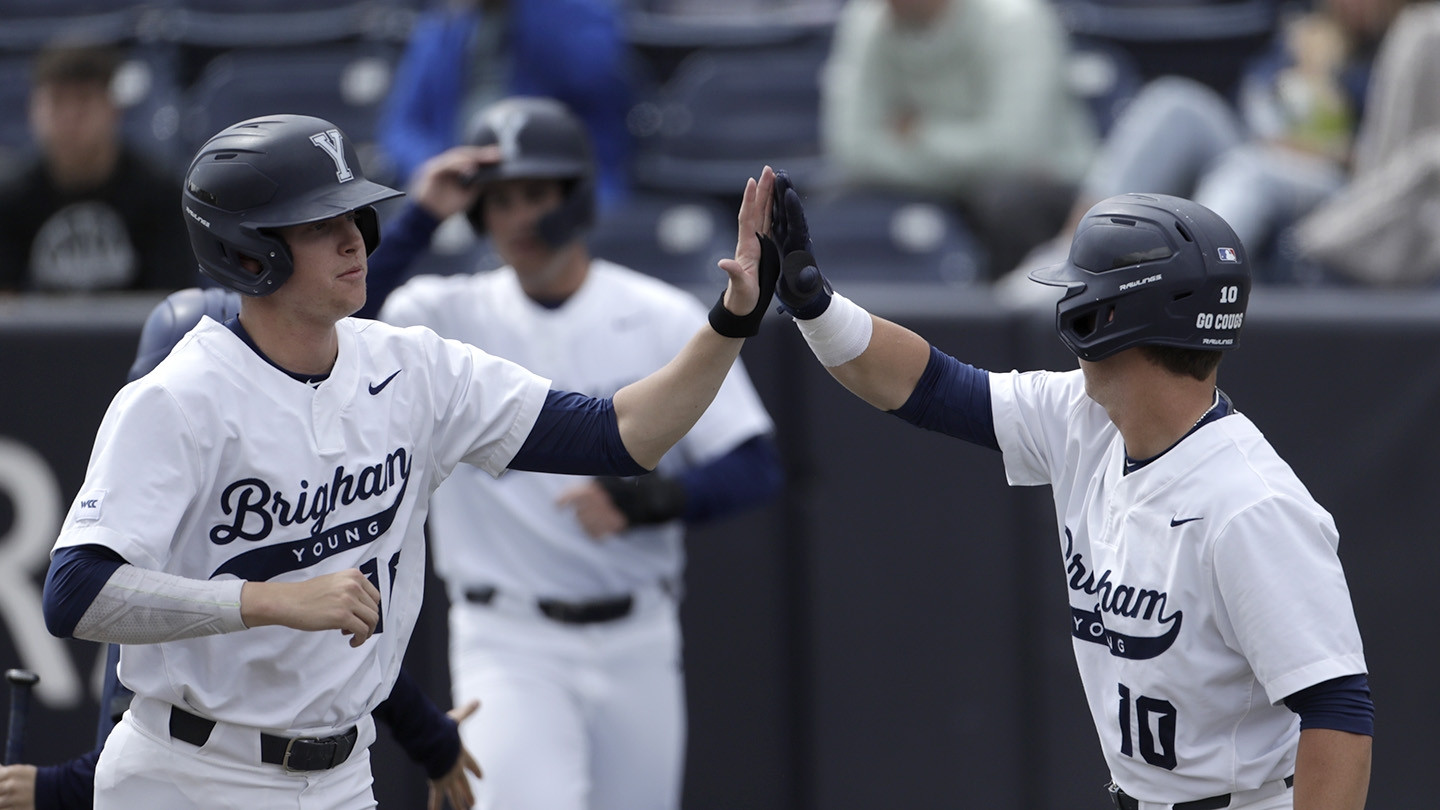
(367, 219)
(575, 214)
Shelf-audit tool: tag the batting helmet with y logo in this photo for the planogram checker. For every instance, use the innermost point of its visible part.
(267, 173)
(539, 139)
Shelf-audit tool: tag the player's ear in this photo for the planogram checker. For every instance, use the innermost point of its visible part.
(251, 264)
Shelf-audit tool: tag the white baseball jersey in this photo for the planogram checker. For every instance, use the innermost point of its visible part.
(617, 328)
(218, 464)
(1204, 588)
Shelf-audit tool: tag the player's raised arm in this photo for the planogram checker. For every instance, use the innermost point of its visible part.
(879, 361)
(655, 412)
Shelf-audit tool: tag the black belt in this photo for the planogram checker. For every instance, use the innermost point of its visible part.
(295, 754)
(600, 610)
(1124, 801)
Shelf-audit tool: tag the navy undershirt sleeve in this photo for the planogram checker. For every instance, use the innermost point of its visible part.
(576, 435)
(746, 476)
(1342, 704)
(77, 573)
(67, 786)
(952, 398)
(428, 735)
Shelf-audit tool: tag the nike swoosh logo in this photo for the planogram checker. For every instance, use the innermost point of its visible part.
(375, 389)
(1174, 522)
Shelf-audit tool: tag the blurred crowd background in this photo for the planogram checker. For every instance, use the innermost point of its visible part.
(937, 142)
(941, 141)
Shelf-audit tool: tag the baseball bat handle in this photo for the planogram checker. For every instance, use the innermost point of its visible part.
(21, 680)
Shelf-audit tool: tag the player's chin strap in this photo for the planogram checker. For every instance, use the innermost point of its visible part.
(731, 325)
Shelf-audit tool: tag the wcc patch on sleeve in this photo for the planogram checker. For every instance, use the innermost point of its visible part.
(87, 507)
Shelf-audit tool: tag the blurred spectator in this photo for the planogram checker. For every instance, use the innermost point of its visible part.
(88, 212)
(1263, 161)
(470, 53)
(1383, 228)
(960, 99)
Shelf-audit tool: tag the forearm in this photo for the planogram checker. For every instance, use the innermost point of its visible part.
(139, 606)
(1332, 770)
(655, 412)
(890, 357)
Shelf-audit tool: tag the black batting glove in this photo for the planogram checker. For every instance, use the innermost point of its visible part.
(802, 289)
(646, 500)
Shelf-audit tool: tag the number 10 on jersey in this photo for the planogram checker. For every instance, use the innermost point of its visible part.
(1155, 720)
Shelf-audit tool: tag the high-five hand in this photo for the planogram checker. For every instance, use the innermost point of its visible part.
(803, 291)
(756, 266)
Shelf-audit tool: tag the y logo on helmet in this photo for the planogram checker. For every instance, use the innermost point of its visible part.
(507, 129)
(332, 143)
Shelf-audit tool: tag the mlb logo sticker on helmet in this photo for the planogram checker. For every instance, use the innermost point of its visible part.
(1227, 254)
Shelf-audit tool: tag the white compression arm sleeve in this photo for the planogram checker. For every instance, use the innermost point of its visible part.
(140, 606)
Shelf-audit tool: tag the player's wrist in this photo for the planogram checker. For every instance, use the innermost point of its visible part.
(839, 334)
(803, 291)
(259, 603)
(730, 325)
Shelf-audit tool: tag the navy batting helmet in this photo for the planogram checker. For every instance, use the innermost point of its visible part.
(267, 173)
(539, 138)
(1150, 269)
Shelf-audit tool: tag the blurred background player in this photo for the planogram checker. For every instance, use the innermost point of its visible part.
(464, 55)
(1210, 616)
(565, 593)
(87, 212)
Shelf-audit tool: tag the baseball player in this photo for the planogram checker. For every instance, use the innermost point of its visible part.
(429, 737)
(267, 484)
(1210, 616)
(564, 593)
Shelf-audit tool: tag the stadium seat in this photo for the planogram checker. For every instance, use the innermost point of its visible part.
(14, 99)
(672, 237)
(147, 88)
(1208, 40)
(862, 236)
(344, 84)
(705, 23)
(27, 25)
(728, 111)
(1105, 76)
(265, 23)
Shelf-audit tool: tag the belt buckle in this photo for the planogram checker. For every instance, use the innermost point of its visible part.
(1118, 796)
(289, 746)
